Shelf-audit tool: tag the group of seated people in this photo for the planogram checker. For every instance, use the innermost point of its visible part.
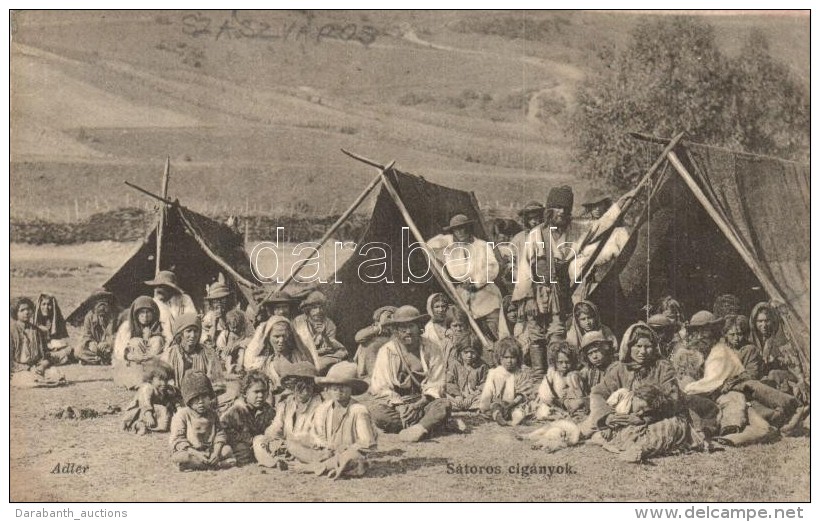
(668, 386)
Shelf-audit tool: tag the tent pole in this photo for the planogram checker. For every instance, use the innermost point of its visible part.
(438, 272)
(162, 211)
(605, 236)
(770, 287)
(295, 270)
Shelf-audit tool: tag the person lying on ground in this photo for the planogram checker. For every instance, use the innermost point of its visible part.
(249, 416)
(99, 330)
(49, 318)
(317, 332)
(342, 432)
(510, 387)
(294, 416)
(155, 402)
(198, 441)
(466, 374)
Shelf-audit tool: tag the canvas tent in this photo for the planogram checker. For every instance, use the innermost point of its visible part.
(196, 247)
(430, 207)
(719, 222)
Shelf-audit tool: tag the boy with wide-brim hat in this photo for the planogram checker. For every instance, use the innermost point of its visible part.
(473, 268)
(343, 431)
(408, 380)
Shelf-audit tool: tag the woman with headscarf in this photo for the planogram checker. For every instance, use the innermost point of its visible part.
(435, 329)
(27, 343)
(632, 436)
(186, 354)
(273, 348)
(586, 318)
(49, 318)
(140, 340)
(780, 367)
(317, 333)
(99, 330)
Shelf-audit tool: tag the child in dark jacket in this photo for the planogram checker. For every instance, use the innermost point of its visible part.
(249, 416)
(156, 400)
(466, 374)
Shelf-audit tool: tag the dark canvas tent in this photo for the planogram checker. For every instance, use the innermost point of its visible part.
(196, 247)
(431, 206)
(721, 222)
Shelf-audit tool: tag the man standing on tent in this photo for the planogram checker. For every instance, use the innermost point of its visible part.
(472, 265)
(543, 275)
(172, 301)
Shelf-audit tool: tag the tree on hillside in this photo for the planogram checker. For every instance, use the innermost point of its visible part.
(673, 77)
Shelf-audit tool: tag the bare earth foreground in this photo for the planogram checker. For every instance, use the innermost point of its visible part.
(123, 467)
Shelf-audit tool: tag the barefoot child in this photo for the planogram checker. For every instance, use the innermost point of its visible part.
(249, 416)
(154, 405)
(561, 393)
(466, 375)
(509, 386)
(198, 441)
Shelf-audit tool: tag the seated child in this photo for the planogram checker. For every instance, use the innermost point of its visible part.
(28, 343)
(317, 332)
(586, 318)
(49, 318)
(249, 416)
(466, 374)
(156, 400)
(457, 324)
(294, 416)
(230, 343)
(342, 432)
(509, 386)
(596, 353)
(198, 441)
(561, 394)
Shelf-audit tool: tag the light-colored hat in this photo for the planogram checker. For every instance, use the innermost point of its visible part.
(407, 314)
(315, 298)
(593, 337)
(705, 319)
(459, 220)
(165, 278)
(279, 297)
(219, 289)
(186, 321)
(377, 315)
(344, 373)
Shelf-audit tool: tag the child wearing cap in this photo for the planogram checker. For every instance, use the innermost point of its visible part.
(466, 374)
(198, 441)
(509, 386)
(186, 354)
(155, 402)
(342, 431)
(596, 354)
(248, 416)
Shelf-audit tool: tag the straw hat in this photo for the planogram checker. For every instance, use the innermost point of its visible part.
(407, 314)
(459, 220)
(219, 289)
(344, 373)
(165, 278)
(300, 370)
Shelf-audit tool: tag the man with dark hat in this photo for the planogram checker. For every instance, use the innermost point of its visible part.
(543, 275)
(473, 267)
(172, 301)
(596, 203)
(408, 380)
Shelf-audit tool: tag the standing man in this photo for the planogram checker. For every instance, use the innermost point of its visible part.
(544, 278)
(472, 266)
(172, 301)
(408, 380)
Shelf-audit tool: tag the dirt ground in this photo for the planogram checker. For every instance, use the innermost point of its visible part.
(124, 467)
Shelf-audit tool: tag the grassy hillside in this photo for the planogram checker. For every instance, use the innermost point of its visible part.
(253, 107)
